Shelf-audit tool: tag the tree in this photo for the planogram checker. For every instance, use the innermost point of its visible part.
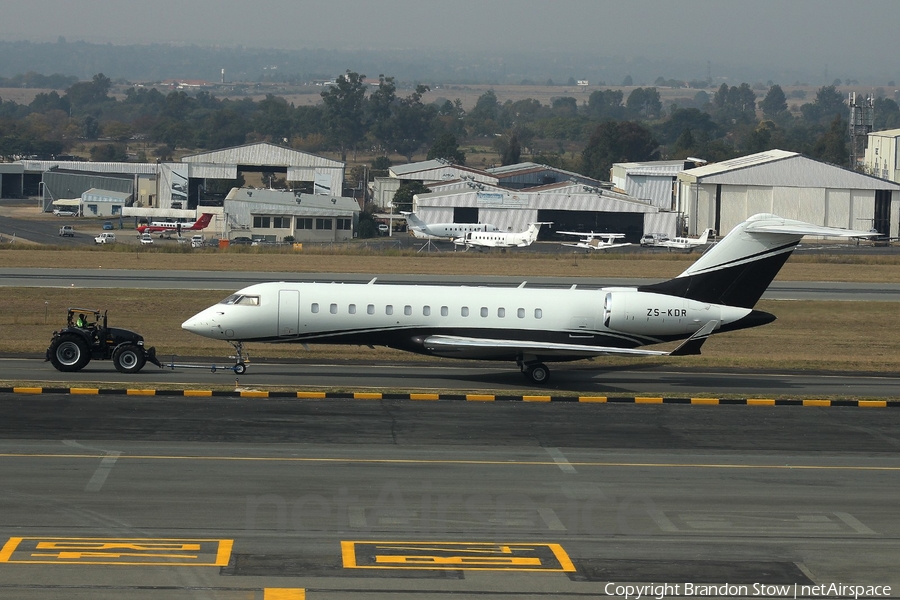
(411, 123)
(447, 147)
(565, 106)
(379, 110)
(627, 82)
(509, 148)
(343, 111)
(605, 104)
(774, 103)
(644, 102)
(403, 197)
(617, 141)
(483, 116)
(832, 145)
(828, 103)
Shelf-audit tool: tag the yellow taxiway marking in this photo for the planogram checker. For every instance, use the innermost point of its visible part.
(817, 403)
(478, 556)
(28, 390)
(536, 398)
(451, 461)
(319, 395)
(284, 594)
(873, 403)
(640, 400)
(133, 392)
(424, 396)
(592, 398)
(84, 391)
(760, 402)
(704, 400)
(480, 397)
(117, 551)
(367, 396)
(198, 392)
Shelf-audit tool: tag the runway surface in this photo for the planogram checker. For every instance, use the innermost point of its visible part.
(230, 281)
(454, 376)
(346, 499)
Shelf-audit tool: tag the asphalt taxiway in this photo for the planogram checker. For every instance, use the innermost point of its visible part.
(125, 497)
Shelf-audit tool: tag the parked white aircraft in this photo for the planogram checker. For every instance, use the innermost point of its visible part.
(595, 241)
(530, 326)
(442, 231)
(684, 243)
(500, 239)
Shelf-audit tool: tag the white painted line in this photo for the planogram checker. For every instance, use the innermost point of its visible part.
(100, 475)
(550, 519)
(661, 520)
(855, 523)
(560, 459)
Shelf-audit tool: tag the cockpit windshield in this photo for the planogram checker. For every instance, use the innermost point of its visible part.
(241, 299)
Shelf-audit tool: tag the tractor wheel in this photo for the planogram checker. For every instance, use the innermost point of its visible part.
(69, 352)
(129, 358)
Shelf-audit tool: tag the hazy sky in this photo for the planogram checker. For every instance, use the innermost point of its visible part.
(805, 34)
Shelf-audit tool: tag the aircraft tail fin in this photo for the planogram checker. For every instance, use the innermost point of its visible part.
(740, 267)
(203, 221)
(414, 222)
(703, 239)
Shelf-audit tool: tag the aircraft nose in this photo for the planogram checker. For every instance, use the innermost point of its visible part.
(203, 323)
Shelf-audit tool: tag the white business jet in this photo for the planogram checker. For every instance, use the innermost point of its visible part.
(531, 326)
(500, 239)
(684, 243)
(595, 241)
(442, 231)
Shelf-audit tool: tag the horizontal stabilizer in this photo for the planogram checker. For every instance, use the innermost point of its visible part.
(691, 346)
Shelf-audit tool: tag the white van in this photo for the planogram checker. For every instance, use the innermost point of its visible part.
(197, 241)
(107, 237)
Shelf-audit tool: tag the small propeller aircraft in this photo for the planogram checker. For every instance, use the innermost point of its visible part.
(684, 243)
(170, 227)
(531, 326)
(442, 231)
(500, 239)
(595, 241)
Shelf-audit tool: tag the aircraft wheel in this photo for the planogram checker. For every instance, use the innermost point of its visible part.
(128, 359)
(239, 368)
(538, 374)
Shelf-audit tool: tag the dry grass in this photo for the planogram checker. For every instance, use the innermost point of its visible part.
(360, 258)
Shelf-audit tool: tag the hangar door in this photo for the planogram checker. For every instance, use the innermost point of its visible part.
(288, 313)
(629, 223)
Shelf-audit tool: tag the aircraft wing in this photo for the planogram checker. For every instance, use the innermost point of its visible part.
(450, 342)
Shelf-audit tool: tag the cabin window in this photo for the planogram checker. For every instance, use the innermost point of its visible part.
(352, 309)
(314, 308)
(407, 310)
(501, 312)
(520, 313)
(389, 309)
(464, 311)
(333, 309)
(538, 313)
(426, 310)
(445, 311)
(370, 309)
(484, 311)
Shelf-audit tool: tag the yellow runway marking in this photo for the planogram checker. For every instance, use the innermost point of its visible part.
(117, 551)
(487, 463)
(284, 594)
(477, 556)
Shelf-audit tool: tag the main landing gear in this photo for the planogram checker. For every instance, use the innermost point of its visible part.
(536, 372)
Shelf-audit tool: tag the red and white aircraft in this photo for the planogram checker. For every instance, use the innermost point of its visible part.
(177, 228)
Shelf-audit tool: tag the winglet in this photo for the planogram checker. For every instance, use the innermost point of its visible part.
(691, 346)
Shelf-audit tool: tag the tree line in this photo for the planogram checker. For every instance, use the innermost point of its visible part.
(586, 136)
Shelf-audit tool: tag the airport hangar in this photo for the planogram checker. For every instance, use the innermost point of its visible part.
(513, 196)
(178, 191)
(788, 184)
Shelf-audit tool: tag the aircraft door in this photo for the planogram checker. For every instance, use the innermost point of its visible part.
(288, 313)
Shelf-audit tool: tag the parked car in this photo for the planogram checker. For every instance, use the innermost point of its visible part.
(652, 239)
(146, 239)
(383, 228)
(65, 212)
(107, 225)
(67, 231)
(197, 241)
(105, 238)
(241, 241)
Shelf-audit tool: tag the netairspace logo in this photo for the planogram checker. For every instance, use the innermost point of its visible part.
(659, 591)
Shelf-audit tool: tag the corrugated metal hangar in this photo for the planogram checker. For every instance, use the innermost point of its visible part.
(790, 185)
(568, 206)
(273, 215)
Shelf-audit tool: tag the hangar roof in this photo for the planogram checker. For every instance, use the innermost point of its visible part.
(293, 199)
(886, 133)
(783, 169)
(263, 154)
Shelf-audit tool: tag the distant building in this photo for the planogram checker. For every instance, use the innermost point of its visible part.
(788, 184)
(883, 154)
